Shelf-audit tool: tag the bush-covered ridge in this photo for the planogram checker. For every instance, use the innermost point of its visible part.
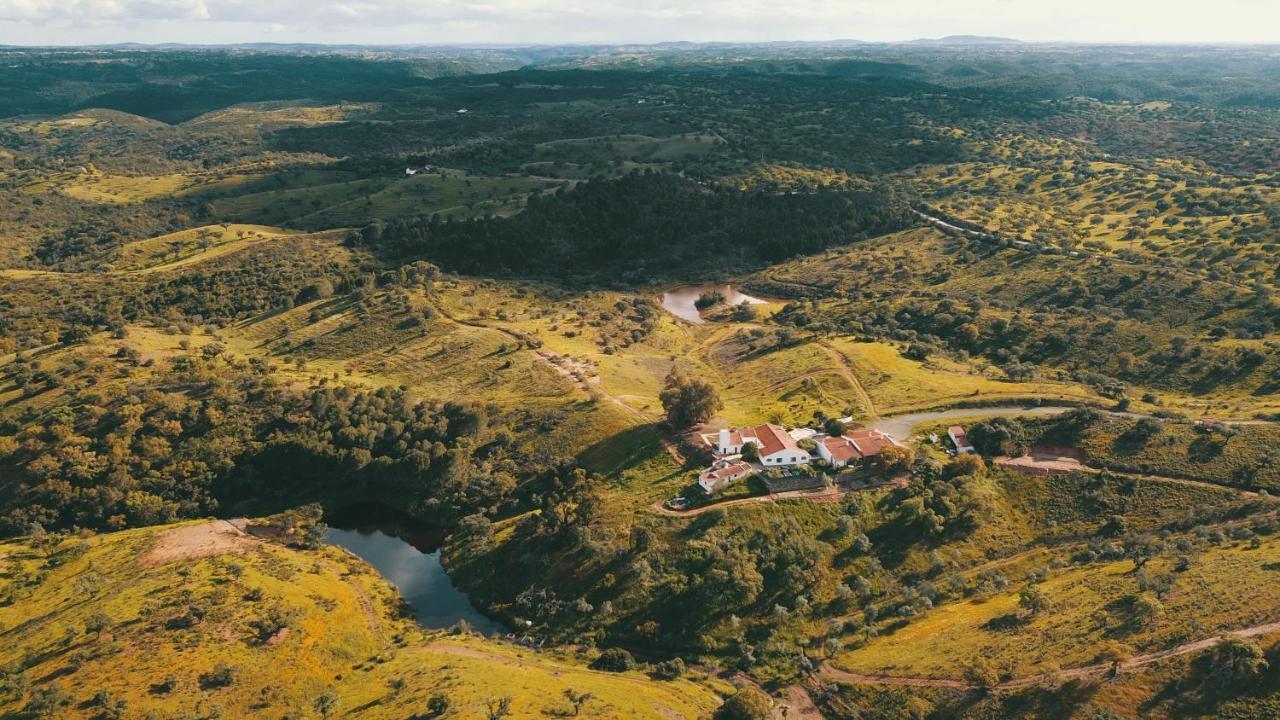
(646, 226)
(209, 434)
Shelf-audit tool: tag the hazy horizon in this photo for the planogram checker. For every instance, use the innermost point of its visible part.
(565, 22)
(941, 39)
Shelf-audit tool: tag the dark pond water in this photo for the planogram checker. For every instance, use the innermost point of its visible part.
(408, 555)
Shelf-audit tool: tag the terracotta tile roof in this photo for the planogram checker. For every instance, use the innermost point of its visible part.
(841, 449)
(735, 437)
(871, 442)
(727, 470)
(773, 439)
(958, 436)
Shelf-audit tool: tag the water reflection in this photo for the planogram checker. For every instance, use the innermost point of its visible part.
(681, 302)
(409, 557)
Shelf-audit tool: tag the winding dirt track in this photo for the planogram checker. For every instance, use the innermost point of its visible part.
(591, 386)
(845, 365)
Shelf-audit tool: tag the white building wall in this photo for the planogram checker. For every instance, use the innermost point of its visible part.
(786, 457)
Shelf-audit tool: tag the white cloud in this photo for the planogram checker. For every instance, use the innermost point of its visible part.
(87, 11)
(527, 21)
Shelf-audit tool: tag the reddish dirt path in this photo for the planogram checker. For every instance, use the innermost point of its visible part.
(796, 704)
(845, 365)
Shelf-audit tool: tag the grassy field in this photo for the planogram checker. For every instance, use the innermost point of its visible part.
(901, 286)
(188, 246)
(897, 384)
(1177, 212)
(760, 378)
(186, 618)
(1241, 455)
(385, 341)
(95, 186)
(320, 199)
(1176, 688)
(257, 116)
(597, 340)
(634, 148)
(1227, 587)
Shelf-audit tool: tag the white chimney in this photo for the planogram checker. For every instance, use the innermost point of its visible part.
(724, 441)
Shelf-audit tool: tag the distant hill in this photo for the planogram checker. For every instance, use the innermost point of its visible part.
(966, 40)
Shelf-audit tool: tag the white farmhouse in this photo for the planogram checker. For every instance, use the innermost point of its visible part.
(775, 445)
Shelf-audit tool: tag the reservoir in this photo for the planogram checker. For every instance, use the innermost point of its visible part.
(681, 301)
(408, 556)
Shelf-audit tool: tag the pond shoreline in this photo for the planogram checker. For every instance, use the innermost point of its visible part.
(682, 301)
(406, 553)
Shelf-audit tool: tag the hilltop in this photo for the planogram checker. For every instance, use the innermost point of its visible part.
(204, 618)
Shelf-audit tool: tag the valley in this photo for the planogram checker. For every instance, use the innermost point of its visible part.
(224, 323)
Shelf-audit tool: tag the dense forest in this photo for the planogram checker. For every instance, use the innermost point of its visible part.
(646, 226)
(233, 440)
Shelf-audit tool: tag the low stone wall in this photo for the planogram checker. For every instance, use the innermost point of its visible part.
(798, 482)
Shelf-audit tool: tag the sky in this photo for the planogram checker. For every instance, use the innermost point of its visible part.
(451, 22)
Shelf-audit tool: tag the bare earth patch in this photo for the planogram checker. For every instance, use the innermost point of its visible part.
(1045, 460)
(216, 537)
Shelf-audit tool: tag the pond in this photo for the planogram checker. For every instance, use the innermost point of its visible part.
(408, 555)
(681, 302)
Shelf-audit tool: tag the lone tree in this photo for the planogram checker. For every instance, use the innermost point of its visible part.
(1116, 654)
(498, 707)
(746, 704)
(614, 660)
(1033, 601)
(688, 401)
(1236, 661)
(578, 700)
(438, 705)
(895, 459)
(327, 704)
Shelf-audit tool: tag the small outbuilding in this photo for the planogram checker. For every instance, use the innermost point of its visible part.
(721, 474)
(960, 439)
